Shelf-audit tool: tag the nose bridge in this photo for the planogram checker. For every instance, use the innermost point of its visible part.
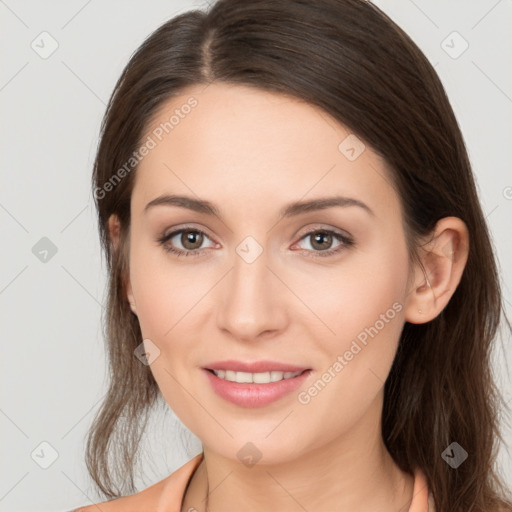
(251, 302)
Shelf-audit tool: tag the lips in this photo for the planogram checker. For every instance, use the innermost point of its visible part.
(254, 395)
(254, 366)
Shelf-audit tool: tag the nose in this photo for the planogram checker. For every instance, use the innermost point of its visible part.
(253, 300)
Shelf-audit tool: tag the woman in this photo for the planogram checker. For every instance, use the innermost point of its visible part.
(298, 265)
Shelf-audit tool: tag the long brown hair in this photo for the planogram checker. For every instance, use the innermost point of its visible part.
(353, 61)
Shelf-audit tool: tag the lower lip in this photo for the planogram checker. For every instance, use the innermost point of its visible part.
(254, 395)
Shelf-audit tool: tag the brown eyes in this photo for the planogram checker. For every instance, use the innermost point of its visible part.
(191, 239)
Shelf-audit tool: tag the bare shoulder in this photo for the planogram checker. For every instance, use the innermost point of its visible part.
(146, 500)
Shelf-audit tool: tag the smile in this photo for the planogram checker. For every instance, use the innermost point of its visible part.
(246, 389)
(254, 378)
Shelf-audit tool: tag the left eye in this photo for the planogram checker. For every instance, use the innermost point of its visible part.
(319, 236)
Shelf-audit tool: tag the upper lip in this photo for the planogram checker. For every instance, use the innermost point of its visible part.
(254, 366)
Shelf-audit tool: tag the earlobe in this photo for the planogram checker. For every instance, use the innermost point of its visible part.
(131, 298)
(114, 229)
(439, 271)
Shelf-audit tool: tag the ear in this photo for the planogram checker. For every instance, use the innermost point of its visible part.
(438, 273)
(114, 229)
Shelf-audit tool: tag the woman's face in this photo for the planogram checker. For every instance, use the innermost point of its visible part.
(253, 285)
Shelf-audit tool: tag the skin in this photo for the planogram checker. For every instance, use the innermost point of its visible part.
(250, 153)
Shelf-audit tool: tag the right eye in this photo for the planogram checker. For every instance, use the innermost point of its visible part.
(191, 237)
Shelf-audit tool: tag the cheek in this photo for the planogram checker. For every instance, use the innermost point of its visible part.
(362, 304)
(363, 307)
(165, 297)
(152, 309)
(165, 290)
(356, 294)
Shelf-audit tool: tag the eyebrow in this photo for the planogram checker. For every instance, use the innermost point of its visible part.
(290, 210)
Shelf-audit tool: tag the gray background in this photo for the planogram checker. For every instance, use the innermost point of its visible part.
(52, 364)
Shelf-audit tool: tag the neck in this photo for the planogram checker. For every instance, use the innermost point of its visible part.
(355, 473)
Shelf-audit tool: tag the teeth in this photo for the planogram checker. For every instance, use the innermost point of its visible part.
(258, 378)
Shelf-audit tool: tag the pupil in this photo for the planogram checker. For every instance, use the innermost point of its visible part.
(319, 236)
(191, 236)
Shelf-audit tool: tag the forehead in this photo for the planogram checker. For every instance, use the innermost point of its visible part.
(227, 141)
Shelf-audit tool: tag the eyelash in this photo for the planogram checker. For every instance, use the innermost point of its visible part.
(347, 242)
